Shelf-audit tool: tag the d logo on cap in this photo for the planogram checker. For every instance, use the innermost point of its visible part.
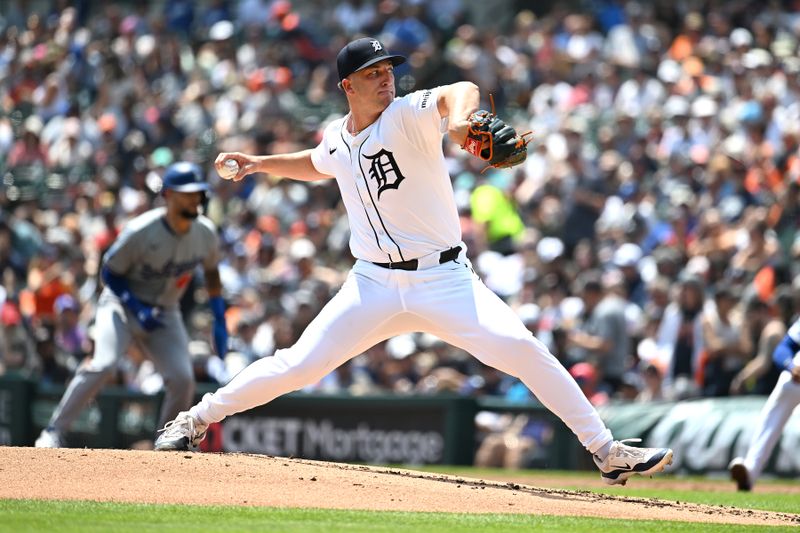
(362, 53)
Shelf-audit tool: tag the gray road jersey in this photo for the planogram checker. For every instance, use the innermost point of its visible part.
(158, 263)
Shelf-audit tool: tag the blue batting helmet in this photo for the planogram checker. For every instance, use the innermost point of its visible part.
(184, 176)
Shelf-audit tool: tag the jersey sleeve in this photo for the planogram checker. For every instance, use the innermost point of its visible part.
(420, 120)
(214, 255)
(321, 155)
(794, 332)
(122, 253)
(787, 352)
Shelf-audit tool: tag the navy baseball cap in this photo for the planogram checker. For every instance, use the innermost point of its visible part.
(362, 53)
(184, 177)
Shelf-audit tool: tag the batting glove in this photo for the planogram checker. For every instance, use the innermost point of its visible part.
(148, 317)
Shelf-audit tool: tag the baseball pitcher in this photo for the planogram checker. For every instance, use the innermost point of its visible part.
(412, 272)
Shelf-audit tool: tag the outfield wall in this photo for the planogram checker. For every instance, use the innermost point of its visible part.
(416, 430)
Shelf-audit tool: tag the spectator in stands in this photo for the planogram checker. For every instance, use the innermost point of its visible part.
(601, 337)
(70, 336)
(726, 340)
(586, 376)
(767, 327)
(28, 151)
(17, 350)
(651, 388)
(679, 340)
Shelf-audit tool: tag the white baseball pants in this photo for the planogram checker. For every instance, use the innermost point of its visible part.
(774, 415)
(374, 304)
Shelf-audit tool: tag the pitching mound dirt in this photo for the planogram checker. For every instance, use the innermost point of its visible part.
(241, 479)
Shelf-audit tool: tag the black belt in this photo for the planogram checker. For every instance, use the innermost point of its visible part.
(412, 264)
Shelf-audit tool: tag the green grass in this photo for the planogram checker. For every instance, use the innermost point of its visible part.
(638, 488)
(782, 503)
(28, 515)
(81, 516)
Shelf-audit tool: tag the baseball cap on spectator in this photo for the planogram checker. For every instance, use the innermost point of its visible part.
(740, 37)
(65, 302)
(9, 314)
(145, 45)
(698, 266)
(576, 124)
(627, 255)
(280, 9)
(107, 122)
(693, 21)
(676, 106)
(669, 71)
(33, 125)
(303, 298)
(632, 379)
(751, 112)
(791, 65)
(161, 157)
(199, 349)
(704, 107)
(756, 58)
(681, 195)
(734, 147)
(401, 346)
(302, 249)
(59, 236)
(235, 362)
(221, 30)
(362, 53)
(549, 249)
(783, 46)
(583, 373)
(529, 313)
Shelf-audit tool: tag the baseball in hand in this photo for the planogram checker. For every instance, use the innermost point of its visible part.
(229, 169)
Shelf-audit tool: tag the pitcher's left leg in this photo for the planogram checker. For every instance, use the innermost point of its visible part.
(467, 314)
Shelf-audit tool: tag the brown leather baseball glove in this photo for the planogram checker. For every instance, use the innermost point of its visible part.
(494, 141)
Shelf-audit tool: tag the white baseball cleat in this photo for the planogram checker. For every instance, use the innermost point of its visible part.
(623, 461)
(740, 475)
(49, 438)
(182, 434)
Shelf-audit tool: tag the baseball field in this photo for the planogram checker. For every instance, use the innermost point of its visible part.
(128, 490)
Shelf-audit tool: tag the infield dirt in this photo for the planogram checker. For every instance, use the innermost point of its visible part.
(258, 480)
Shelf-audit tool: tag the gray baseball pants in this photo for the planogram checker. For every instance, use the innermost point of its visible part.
(115, 329)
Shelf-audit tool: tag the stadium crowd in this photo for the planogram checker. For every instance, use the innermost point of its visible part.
(650, 239)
